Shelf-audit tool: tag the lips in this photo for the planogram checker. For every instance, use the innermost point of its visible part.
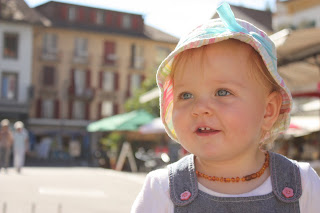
(205, 130)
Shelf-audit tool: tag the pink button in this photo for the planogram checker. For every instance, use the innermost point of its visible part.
(185, 195)
(287, 192)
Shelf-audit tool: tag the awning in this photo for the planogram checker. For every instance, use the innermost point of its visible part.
(298, 54)
(303, 125)
(296, 45)
(130, 121)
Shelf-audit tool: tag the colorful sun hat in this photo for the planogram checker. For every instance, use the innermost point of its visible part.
(213, 31)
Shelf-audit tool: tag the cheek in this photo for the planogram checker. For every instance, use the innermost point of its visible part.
(180, 120)
(177, 119)
(242, 118)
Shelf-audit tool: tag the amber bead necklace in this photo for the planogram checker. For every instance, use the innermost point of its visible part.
(237, 179)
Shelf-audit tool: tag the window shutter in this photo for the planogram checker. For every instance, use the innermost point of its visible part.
(93, 16)
(135, 22)
(39, 108)
(70, 108)
(129, 85)
(57, 109)
(115, 109)
(140, 24)
(72, 85)
(100, 79)
(99, 110)
(133, 51)
(142, 78)
(116, 81)
(108, 18)
(88, 79)
(64, 12)
(81, 14)
(119, 20)
(87, 111)
(109, 49)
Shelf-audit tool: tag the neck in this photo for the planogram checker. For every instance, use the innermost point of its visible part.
(237, 166)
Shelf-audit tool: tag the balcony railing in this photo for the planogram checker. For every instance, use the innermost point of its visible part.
(109, 60)
(81, 58)
(50, 55)
(86, 94)
(138, 63)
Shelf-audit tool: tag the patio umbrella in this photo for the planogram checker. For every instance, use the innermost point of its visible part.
(130, 121)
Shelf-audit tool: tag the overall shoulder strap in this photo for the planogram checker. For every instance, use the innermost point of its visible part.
(285, 178)
(183, 181)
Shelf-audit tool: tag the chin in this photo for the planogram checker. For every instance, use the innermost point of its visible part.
(207, 154)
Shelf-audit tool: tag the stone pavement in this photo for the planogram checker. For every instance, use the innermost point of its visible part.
(68, 190)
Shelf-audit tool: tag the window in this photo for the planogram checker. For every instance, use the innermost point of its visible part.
(109, 53)
(108, 81)
(49, 44)
(162, 53)
(79, 82)
(81, 47)
(99, 17)
(47, 108)
(106, 108)
(72, 14)
(135, 82)
(10, 44)
(48, 76)
(137, 59)
(126, 21)
(9, 86)
(78, 110)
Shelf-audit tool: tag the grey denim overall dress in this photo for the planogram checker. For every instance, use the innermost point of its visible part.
(284, 198)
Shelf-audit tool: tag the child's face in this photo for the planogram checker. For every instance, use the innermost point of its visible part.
(218, 107)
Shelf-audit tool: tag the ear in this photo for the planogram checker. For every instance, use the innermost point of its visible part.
(273, 105)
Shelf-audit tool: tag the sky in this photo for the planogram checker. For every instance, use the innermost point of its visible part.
(176, 17)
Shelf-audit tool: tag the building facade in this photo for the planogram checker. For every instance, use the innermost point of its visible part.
(297, 14)
(86, 63)
(16, 39)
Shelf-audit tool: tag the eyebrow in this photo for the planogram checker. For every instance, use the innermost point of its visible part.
(237, 83)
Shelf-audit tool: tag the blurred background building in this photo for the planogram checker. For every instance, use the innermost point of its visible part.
(296, 14)
(65, 65)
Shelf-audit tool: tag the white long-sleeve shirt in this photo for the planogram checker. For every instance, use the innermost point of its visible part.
(155, 195)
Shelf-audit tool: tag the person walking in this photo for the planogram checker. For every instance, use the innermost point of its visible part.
(20, 145)
(6, 140)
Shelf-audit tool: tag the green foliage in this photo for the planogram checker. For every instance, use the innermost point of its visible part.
(111, 141)
(151, 106)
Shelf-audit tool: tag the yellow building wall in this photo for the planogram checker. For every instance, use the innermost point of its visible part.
(300, 5)
(65, 46)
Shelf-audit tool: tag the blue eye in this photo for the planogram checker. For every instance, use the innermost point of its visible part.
(223, 92)
(185, 95)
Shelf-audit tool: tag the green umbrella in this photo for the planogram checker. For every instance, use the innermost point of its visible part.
(122, 122)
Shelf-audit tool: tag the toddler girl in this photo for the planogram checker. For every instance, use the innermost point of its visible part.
(223, 100)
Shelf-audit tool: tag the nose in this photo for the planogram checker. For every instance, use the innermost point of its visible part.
(202, 107)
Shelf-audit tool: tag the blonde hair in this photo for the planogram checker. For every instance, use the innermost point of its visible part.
(258, 71)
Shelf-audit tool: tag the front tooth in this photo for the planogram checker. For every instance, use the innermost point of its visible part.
(207, 128)
(202, 128)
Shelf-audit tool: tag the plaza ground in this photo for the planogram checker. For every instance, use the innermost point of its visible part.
(68, 190)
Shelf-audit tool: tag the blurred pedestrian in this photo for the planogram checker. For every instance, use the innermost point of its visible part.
(20, 145)
(6, 141)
